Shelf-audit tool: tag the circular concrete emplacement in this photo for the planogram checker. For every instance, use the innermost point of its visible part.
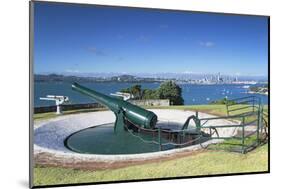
(49, 137)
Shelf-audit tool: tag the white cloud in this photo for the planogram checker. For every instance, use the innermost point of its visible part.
(206, 43)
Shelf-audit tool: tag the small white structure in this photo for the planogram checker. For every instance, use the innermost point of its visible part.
(59, 101)
(125, 96)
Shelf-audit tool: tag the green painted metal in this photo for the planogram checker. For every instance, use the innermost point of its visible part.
(159, 139)
(120, 120)
(246, 107)
(243, 135)
(197, 121)
(123, 110)
(259, 123)
(253, 108)
(187, 122)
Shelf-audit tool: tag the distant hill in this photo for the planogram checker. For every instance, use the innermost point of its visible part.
(60, 78)
(63, 78)
(136, 78)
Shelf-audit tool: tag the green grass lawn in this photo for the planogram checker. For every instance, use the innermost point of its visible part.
(204, 163)
(208, 162)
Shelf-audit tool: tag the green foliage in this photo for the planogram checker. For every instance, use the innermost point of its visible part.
(150, 94)
(135, 90)
(254, 88)
(167, 90)
(170, 90)
(223, 101)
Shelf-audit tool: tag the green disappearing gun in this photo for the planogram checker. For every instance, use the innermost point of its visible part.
(125, 112)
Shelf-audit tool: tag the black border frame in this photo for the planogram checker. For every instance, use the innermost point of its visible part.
(31, 83)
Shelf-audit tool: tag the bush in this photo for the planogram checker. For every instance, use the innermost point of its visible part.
(170, 90)
(134, 90)
(223, 101)
(167, 90)
(254, 88)
(150, 94)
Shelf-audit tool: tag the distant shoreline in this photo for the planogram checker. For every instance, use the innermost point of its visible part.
(178, 82)
(253, 92)
(136, 79)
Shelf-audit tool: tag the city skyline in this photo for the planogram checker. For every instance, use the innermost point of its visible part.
(77, 39)
(178, 76)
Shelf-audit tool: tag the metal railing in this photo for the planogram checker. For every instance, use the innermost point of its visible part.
(246, 119)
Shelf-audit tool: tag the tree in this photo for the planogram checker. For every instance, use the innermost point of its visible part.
(254, 88)
(134, 90)
(150, 94)
(170, 90)
(167, 90)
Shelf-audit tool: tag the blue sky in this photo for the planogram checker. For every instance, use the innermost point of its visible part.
(84, 39)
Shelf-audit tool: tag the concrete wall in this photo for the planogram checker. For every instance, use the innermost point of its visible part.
(151, 102)
(162, 102)
(67, 107)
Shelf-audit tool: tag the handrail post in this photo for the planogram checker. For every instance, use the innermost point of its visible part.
(227, 112)
(253, 103)
(159, 139)
(196, 114)
(197, 120)
(258, 124)
(243, 134)
(261, 120)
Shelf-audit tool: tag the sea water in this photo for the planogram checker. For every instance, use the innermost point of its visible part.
(191, 93)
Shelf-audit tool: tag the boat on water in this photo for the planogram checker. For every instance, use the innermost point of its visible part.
(246, 87)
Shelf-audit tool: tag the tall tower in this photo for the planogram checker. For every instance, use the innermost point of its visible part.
(219, 76)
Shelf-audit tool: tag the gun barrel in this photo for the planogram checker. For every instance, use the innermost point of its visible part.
(134, 114)
(103, 99)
